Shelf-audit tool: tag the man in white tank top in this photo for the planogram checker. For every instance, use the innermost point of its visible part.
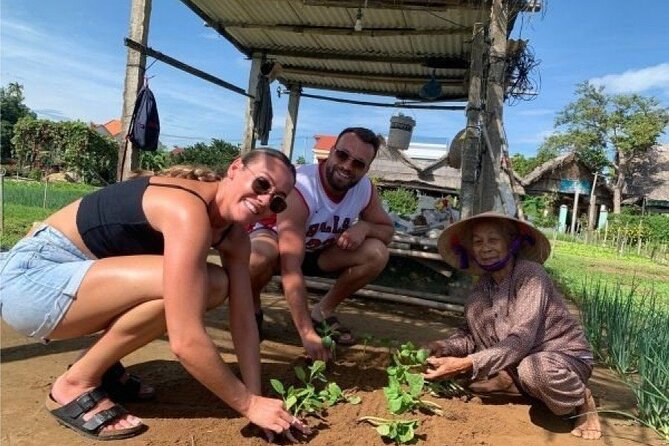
(335, 224)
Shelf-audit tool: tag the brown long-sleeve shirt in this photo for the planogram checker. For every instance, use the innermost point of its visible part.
(506, 322)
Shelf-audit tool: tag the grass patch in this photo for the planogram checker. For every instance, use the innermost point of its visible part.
(24, 204)
(572, 263)
(38, 194)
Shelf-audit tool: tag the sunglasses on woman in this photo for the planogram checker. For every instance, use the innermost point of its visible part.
(343, 156)
(262, 186)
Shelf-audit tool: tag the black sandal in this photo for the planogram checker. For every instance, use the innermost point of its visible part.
(72, 415)
(124, 391)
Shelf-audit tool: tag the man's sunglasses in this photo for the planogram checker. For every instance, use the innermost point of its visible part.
(343, 156)
(262, 186)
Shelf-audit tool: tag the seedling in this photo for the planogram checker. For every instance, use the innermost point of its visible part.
(399, 431)
(308, 400)
(328, 335)
(406, 398)
(408, 358)
(332, 394)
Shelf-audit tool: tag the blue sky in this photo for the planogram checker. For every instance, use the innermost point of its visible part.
(69, 55)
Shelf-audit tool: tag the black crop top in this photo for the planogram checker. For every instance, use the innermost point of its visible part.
(112, 223)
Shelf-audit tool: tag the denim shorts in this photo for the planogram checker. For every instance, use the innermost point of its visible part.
(39, 280)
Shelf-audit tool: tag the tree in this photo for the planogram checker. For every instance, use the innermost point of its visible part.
(523, 166)
(609, 130)
(301, 160)
(12, 109)
(217, 156)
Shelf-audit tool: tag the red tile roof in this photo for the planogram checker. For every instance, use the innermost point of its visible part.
(324, 142)
(113, 127)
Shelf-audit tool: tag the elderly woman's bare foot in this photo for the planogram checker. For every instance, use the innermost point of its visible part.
(502, 383)
(587, 424)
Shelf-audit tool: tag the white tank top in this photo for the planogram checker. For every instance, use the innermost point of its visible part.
(327, 218)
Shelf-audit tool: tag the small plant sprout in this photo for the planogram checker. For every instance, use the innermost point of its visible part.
(406, 398)
(309, 400)
(399, 431)
(328, 335)
(408, 358)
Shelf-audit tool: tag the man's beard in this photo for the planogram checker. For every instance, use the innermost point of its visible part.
(337, 184)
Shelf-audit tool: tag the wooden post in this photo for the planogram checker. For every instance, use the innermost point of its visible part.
(2, 201)
(574, 212)
(592, 209)
(291, 120)
(140, 15)
(249, 140)
(489, 191)
(470, 153)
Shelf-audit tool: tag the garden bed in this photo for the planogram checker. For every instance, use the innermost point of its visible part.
(186, 414)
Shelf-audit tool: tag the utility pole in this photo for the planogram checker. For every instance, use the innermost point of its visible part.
(489, 192)
(249, 139)
(140, 15)
(472, 145)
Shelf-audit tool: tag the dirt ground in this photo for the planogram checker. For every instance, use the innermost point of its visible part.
(186, 414)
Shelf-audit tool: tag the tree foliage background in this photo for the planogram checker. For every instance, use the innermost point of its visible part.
(609, 132)
(12, 109)
(45, 146)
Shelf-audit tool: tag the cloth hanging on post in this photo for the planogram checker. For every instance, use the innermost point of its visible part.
(144, 130)
(262, 109)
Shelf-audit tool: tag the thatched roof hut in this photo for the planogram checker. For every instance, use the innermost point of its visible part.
(564, 175)
(393, 168)
(648, 182)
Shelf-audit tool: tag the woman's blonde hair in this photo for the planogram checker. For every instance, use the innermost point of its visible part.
(189, 172)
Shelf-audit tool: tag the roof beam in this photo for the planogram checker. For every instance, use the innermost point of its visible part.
(370, 77)
(434, 5)
(450, 63)
(400, 4)
(401, 96)
(345, 30)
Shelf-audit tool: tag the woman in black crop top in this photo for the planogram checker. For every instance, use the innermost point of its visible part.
(131, 260)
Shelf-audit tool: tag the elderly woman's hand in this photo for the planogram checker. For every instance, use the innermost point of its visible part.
(437, 348)
(447, 367)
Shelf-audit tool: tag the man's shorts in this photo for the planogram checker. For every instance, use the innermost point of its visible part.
(310, 266)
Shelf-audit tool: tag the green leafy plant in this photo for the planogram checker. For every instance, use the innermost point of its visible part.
(407, 358)
(310, 400)
(399, 431)
(407, 398)
(401, 201)
(328, 335)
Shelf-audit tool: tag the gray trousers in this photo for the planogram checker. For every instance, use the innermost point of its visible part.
(557, 379)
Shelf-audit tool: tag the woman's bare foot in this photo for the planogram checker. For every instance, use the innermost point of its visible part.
(66, 389)
(587, 424)
(502, 383)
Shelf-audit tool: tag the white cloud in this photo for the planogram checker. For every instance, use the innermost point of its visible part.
(636, 81)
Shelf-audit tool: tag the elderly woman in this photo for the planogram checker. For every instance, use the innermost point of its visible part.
(519, 335)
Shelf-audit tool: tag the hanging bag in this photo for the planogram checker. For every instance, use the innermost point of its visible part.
(145, 124)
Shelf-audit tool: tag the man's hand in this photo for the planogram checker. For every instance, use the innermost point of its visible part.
(352, 238)
(313, 344)
(447, 367)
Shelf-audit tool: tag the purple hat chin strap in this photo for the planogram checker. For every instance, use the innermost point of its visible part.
(513, 250)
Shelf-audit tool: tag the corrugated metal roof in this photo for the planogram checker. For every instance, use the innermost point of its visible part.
(402, 43)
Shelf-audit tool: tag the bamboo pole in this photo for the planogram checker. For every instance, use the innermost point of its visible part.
(392, 297)
(398, 291)
(414, 253)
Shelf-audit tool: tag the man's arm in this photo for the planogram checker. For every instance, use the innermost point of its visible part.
(380, 226)
(291, 236)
